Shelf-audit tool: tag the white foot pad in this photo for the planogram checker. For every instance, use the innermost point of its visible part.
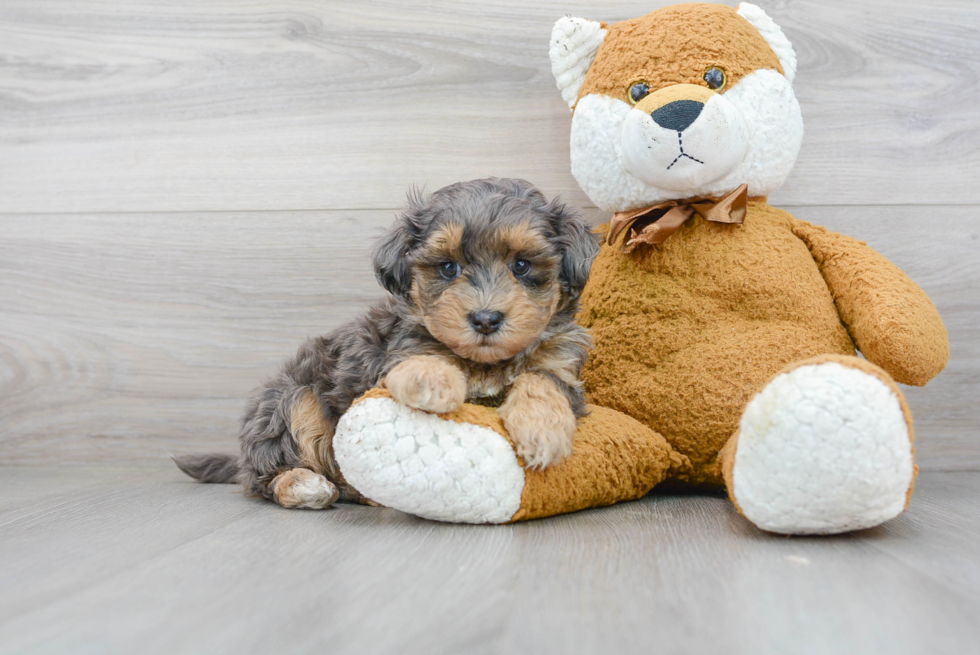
(823, 449)
(419, 463)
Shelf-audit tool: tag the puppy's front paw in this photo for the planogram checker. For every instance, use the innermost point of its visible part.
(428, 383)
(540, 420)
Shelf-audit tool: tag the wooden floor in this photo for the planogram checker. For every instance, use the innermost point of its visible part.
(142, 560)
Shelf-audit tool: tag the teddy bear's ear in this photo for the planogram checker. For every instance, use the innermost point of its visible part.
(773, 35)
(574, 42)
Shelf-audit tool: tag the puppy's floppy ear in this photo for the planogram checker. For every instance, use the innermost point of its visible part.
(579, 246)
(390, 257)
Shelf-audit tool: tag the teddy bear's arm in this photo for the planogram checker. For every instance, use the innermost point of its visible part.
(891, 320)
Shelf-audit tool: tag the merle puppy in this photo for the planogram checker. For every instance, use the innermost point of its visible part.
(484, 280)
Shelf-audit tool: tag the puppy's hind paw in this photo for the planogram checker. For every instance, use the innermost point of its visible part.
(428, 383)
(301, 488)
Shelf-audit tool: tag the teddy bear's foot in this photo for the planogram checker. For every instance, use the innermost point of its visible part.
(825, 447)
(426, 465)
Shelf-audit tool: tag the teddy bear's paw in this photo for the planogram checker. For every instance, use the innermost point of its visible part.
(824, 448)
(426, 465)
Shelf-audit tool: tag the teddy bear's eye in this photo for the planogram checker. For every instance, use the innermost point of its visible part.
(715, 78)
(638, 92)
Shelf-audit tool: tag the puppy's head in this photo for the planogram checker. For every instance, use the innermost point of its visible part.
(486, 264)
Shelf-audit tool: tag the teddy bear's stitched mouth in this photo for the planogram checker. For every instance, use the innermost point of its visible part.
(684, 161)
(680, 145)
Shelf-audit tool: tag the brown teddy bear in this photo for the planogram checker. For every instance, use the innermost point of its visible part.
(725, 330)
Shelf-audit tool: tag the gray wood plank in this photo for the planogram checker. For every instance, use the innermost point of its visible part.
(180, 105)
(112, 528)
(126, 338)
(121, 326)
(940, 538)
(162, 565)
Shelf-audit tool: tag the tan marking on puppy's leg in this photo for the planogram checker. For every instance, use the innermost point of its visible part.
(312, 434)
(539, 420)
(301, 488)
(427, 382)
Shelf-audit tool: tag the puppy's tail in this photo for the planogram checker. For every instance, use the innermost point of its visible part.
(209, 468)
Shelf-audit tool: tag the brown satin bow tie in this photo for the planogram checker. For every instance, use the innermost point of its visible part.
(654, 224)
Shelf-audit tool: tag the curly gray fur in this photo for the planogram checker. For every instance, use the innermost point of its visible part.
(339, 367)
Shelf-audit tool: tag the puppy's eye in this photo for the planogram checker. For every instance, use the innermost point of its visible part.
(715, 78)
(449, 270)
(638, 92)
(521, 267)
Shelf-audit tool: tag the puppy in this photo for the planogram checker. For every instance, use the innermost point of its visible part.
(484, 280)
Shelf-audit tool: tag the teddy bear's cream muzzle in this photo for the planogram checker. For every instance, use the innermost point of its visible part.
(682, 137)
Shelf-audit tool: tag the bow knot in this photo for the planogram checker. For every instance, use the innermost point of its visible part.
(654, 224)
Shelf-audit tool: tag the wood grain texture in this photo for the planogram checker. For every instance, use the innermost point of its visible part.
(189, 189)
(127, 338)
(176, 105)
(124, 560)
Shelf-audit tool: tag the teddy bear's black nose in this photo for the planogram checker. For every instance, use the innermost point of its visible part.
(486, 322)
(678, 115)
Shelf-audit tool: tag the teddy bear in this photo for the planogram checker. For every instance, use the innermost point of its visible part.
(726, 332)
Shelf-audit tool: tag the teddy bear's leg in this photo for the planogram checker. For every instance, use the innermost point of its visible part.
(462, 467)
(825, 447)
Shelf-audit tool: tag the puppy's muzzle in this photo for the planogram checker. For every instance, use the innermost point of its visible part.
(486, 322)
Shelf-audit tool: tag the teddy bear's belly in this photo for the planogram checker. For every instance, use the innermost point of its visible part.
(681, 343)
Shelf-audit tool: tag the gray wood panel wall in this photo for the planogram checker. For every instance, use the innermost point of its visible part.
(188, 189)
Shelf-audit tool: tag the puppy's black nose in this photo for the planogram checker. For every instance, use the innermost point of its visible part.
(678, 115)
(486, 322)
